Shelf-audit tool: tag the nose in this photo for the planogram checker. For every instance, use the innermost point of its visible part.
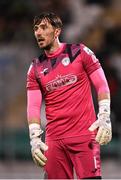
(38, 31)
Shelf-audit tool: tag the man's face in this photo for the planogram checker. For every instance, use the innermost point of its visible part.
(45, 34)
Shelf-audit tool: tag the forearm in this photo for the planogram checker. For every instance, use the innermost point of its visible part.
(34, 120)
(100, 83)
(34, 101)
(103, 122)
(103, 95)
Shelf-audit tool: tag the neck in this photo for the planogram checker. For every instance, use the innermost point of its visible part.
(56, 44)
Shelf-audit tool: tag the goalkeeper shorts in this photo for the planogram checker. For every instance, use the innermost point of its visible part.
(79, 154)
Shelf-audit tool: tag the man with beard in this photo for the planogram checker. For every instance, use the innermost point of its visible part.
(63, 74)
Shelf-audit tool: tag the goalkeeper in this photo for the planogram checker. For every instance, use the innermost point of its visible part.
(63, 75)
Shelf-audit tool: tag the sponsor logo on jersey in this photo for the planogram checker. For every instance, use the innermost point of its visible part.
(61, 81)
(65, 61)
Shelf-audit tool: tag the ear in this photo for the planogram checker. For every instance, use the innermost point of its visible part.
(57, 32)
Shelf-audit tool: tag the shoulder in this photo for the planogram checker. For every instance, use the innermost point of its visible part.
(79, 47)
(32, 65)
(73, 48)
(86, 50)
(39, 59)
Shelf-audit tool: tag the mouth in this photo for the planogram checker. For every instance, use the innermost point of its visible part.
(40, 39)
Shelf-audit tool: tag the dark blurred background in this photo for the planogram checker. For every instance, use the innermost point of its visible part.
(97, 24)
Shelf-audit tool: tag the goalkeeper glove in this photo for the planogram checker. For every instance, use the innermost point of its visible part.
(103, 123)
(37, 146)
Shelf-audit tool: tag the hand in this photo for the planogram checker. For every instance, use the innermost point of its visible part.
(104, 134)
(37, 147)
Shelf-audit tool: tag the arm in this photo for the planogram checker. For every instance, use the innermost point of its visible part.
(34, 99)
(95, 73)
(103, 123)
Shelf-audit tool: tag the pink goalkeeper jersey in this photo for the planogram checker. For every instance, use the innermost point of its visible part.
(63, 78)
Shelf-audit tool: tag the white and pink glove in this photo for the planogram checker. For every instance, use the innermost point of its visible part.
(37, 146)
(103, 123)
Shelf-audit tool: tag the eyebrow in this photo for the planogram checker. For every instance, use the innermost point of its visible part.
(40, 25)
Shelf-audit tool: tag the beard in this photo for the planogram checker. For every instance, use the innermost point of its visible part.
(48, 47)
(45, 44)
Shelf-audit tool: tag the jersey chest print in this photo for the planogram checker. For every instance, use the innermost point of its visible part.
(57, 72)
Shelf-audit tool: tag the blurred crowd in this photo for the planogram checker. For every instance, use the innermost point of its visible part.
(96, 23)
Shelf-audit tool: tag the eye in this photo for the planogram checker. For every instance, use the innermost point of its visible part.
(35, 28)
(43, 27)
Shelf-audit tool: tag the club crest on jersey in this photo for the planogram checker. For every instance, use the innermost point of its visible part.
(65, 61)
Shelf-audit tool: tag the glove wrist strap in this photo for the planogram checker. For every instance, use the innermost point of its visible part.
(104, 106)
(35, 130)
